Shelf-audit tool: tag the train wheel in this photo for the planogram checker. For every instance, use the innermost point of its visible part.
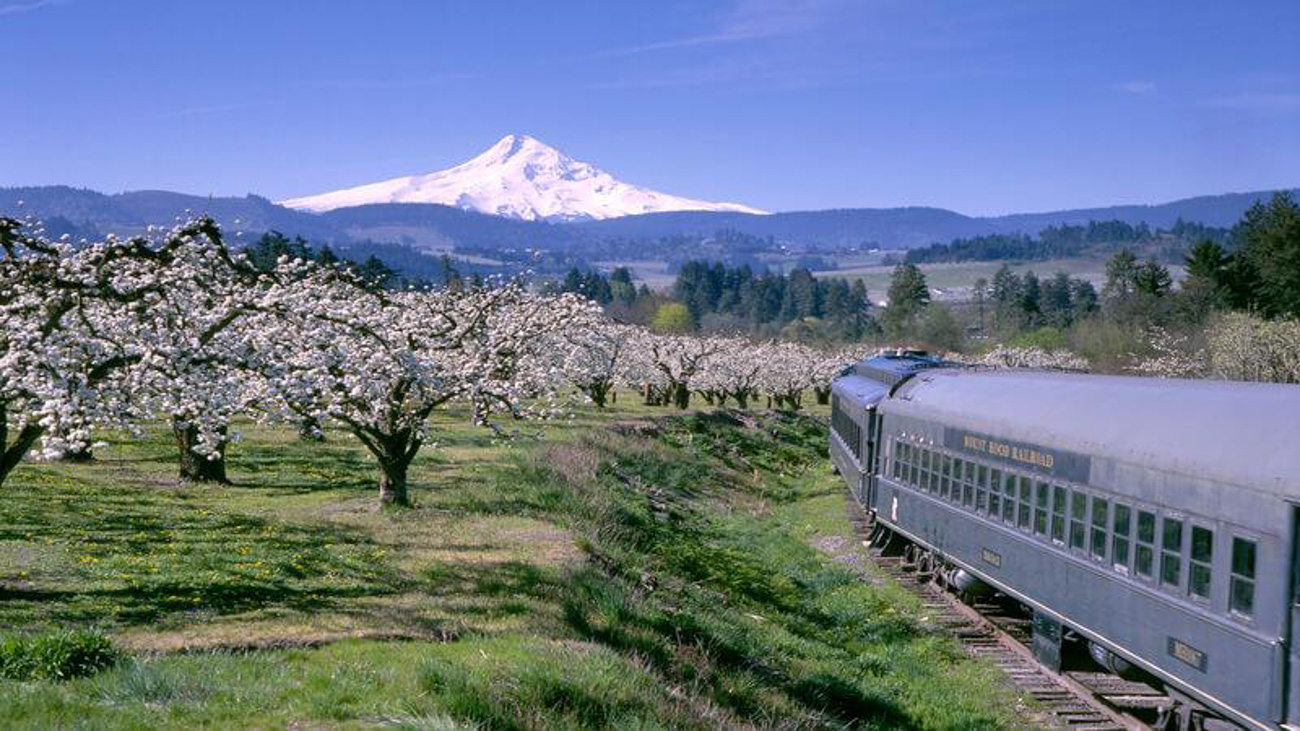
(1112, 663)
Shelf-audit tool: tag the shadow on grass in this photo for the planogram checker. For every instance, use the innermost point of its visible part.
(128, 557)
(694, 644)
(494, 590)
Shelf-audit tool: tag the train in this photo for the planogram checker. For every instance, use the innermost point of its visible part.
(1153, 522)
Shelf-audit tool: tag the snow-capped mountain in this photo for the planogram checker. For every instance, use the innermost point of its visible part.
(519, 177)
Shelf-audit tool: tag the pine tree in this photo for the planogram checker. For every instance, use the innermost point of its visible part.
(1267, 278)
(908, 296)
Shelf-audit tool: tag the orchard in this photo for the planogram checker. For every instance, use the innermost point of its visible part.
(177, 327)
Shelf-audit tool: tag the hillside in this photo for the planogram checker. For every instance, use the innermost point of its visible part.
(627, 570)
(435, 227)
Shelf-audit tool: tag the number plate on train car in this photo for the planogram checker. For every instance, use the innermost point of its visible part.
(990, 557)
(1188, 654)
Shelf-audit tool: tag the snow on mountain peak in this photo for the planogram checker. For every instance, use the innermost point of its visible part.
(520, 177)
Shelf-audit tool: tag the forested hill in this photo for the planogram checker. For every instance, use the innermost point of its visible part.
(439, 227)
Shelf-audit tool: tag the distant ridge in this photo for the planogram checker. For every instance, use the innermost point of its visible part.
(435, 227)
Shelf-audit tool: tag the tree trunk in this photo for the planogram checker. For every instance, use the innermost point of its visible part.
(81, 456)
(742, 399)
(12, 454)
(309, 430)
(682, 396)
(647, 393)
(197, 467)
(597, 391)
(392, 483)
(823, 396)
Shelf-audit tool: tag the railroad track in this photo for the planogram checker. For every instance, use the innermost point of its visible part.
(997, 630)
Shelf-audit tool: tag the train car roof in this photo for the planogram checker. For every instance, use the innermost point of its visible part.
(866, 392)
(890, 368)
(1246, 434)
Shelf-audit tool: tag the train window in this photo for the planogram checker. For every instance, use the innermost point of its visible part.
(1026, 502)
(995, 503)
(1041, 499)
(981, 500)
(1078, 514)
(1198, 571)
(1241, 589)
(925, 459)
(957, 479)
(1120, 543)
(1058, 513)
(1144, 558)
(912, 470)
(968, 493)
(970, 472)
(894, 463)
(946, 480)
(983, 481)
(1100, 516)
(1009, 499)
(1171, 547)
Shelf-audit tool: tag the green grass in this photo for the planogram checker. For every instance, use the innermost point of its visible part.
(956, 275)
(612, 572)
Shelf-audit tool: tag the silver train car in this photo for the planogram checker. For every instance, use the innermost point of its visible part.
(1155, 520)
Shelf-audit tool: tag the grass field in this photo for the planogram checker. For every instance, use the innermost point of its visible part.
(955, 281)
(615, 571)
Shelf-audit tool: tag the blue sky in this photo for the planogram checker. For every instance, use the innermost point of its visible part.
(983, 107)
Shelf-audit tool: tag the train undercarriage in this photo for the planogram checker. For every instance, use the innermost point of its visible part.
(1055, 645)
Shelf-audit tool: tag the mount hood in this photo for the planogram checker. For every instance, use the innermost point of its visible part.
(518, 177)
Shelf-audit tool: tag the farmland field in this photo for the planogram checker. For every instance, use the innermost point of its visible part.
(627, 568)
(954, 281)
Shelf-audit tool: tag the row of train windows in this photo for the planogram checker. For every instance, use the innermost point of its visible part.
(1062, 515)
(847, 429)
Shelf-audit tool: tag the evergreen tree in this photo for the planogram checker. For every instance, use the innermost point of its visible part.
(1267, 276)
(1030, 301)
(1057, 304)
(1152, 279)
(376, 273)
(1121, 276)
(326, 256)
(908, 296)
(1006, 297)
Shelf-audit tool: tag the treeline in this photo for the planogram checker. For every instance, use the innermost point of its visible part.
(1023, 301)
(714, 288)
(719, 298)
(1065, 241)
(383, 266)
(273, 245)
(617, 288)
(1251, 272)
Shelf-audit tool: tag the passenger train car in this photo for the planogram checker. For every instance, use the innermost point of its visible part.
(1155, 519)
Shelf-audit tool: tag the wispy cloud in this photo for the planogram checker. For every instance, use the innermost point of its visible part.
(395, 83)
(13, 8)
(748, 20)
(1136, 87)
(737, 72)
(1257, 101)
(197, 111)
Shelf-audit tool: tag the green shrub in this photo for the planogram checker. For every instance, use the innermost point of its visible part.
(55, 655)
(1047, 338)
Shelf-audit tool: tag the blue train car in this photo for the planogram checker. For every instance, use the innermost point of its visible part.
(1157, 519)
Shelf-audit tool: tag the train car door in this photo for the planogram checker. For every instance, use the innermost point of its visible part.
(1290, 705)
(870, 454)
